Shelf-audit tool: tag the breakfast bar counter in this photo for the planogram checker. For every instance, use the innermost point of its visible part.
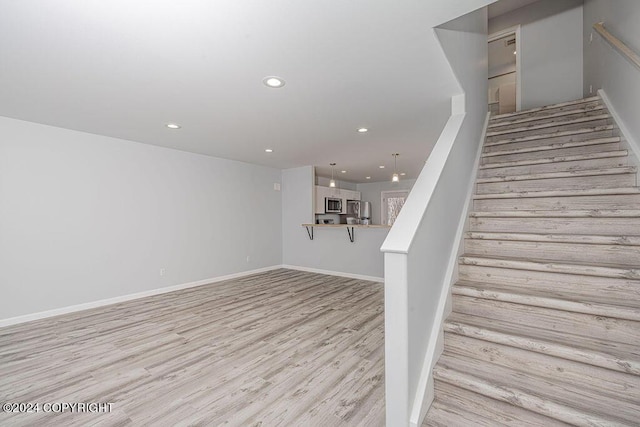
(350, 228)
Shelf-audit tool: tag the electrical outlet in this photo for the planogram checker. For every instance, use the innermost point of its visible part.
(162, 271)
(248, 258)
(276, 186)
(590, 88)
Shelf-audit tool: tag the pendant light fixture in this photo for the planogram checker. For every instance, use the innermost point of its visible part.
(395, 177)
(332, 183)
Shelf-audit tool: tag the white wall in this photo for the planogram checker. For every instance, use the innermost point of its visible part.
(330, 249)
(550, 51)
(605, 68)
(371, 192)
(85, 217)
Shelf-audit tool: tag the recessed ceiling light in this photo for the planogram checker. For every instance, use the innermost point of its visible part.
(273, 81)
(173, 126)
(343, 171)
(515, 52)
(403, 173)
(268, 150)
(368, 177)
(381, 166)
(363, 130)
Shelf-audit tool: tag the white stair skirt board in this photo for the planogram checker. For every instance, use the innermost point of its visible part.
(544, 326)
(128, 297)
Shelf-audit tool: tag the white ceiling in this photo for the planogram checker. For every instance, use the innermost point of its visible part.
(126, 68)
(504, 6)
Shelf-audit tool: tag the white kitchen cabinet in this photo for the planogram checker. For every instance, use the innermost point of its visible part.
(321, 193)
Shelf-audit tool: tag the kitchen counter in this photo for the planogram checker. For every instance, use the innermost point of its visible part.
(350, 228)
(347, 225)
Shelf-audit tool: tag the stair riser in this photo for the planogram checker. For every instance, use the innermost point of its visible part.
(576, 183)
(625, 292)
(551, 140)
(608, 162)
(596, 327)
(615, 384)
(623, 201)
(501, 413)
(603, 226)
(548, 130)
(572, 151)
(545, 120)
(570, 401)
(441, 415)
(547, 111)
(555, 252)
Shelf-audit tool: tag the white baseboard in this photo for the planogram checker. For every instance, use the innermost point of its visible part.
(335, 273)
(129, 297)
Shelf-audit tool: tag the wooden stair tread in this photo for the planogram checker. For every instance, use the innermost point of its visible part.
(616, 356)
(531, 298)
(583, 110)
(615, 384)
(592, 213)
(443, 415)
(557, 238)
(551, 147)
(549, 125)
(561, 174)
(556, 159)
(551, 135)
(600, 270)
(559, 193)
(484, 408)
(511, 394)
(559, 400)
(547, 107)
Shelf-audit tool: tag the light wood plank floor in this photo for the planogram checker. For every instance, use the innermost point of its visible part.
(278, 348)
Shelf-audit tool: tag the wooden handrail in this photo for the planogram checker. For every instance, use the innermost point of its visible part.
(617, 44)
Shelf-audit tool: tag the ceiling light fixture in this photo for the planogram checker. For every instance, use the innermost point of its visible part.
(367, 177)
(381, 166)
(395, 177)
(173, 126)
(403, 173)
(273, 82)
(363, 130)
(343, 171)
(515, 52)
(332, 183)
(268, 150)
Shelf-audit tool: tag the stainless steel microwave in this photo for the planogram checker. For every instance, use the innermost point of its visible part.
(332, 205)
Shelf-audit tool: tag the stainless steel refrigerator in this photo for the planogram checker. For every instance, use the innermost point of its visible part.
(360, 210)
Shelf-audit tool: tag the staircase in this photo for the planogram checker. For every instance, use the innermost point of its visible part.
(545, 322)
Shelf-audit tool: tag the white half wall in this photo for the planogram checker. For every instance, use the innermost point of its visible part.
(550, 50)
(422, 244)
(330, 250)
(606, 69)
(85, 218)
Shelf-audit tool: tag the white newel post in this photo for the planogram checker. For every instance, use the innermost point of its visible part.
(396, 341)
